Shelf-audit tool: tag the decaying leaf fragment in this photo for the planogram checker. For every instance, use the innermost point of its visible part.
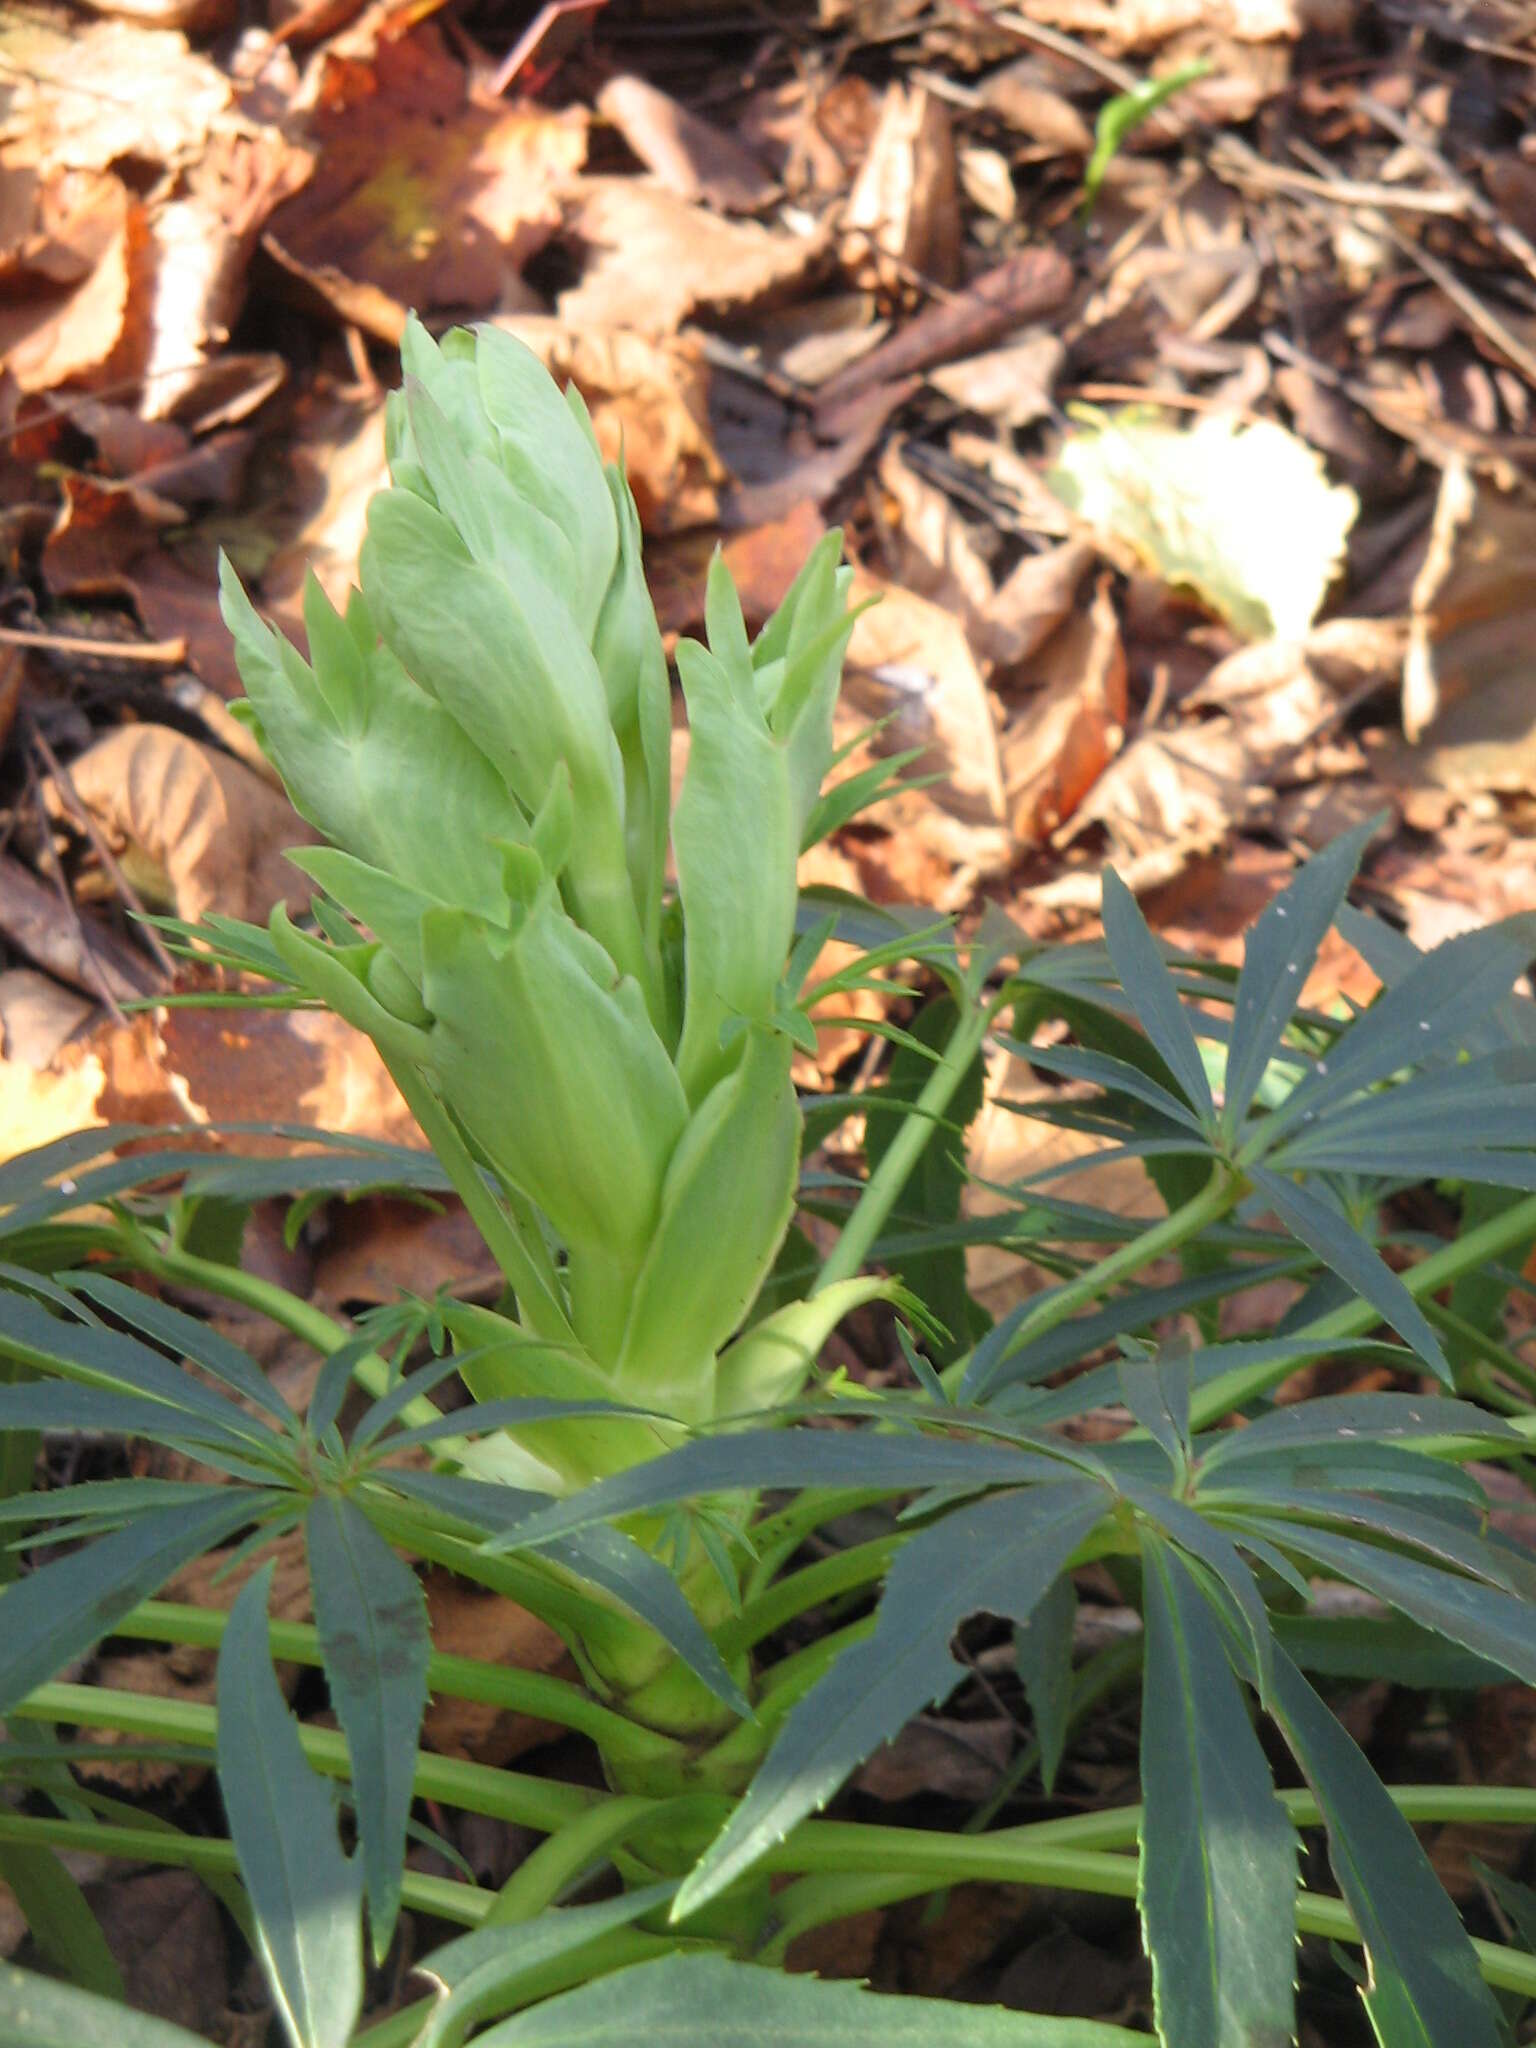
(903, 214)
(1467, 677)
(1244, 516)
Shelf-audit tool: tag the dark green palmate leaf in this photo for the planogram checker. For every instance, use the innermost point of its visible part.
(1324, 1229)
(304, 1892)
(1217, 1881)
(603, 1557)
(60, 1610)
(91, 1353)
(66, 1931)
(1490, 1623)
(758, 1459)
(1349, 1420)
(37, 2013)
(707, 2002)
(1000, 1556)
(1426, 1990)
(1001, 1359)
(1278, 953)
(375, 1642)
(931, 1193)
(1389, 1647)
(1429, 1014)
(1145, 978)
(1042, 1648)
(189, 1338)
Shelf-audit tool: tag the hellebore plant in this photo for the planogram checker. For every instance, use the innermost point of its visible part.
(597, 1043)
(485, 741)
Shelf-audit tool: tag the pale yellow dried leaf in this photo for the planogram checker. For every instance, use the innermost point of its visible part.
(1241, 515)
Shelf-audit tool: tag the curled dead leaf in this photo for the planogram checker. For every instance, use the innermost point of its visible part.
(689, 155)
(1166, 799)
(421, 199)
(902, 218)
(67, 262)
(210, 830)
(1058, 745)
(653, 258)
(84, 99)
(1466, 679)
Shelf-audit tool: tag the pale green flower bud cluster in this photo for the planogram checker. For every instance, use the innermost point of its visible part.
(484, 742)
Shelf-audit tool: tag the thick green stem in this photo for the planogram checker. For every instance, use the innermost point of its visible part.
(844, 1572)
(883, 1188)
(558, 1861)
(535, 1693)
(539, 1803)
(441, 1897)
(1220, 1195)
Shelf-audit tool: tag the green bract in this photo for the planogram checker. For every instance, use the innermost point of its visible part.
(484, 741)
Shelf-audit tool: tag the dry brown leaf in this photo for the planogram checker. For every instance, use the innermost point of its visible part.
(1032, 601)
(37, 1017)
(902, 218)
(1022, 95)
(337, 464)
(648, 398)
(378, 1248)
(221, 1066)
(421, 199)
(653, 259)
(689, 155)
(203, 826)
(195, 17)
(936, 556)
(83, 99)
(941, 1758)
(204, 239)
(916, 655)
(105, 541)
(1166, 800)
(1466, 683)
(1013, 384)
(1274, 695)
(817, 341)
(986, 179)
(1034, 508)
(1122, 26)
(1065, 736)
(468, 1621)
(763, 560)
(68, 242)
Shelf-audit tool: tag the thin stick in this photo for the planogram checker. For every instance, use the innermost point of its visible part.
(104, 853)
(88, 960)
(152, 653)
